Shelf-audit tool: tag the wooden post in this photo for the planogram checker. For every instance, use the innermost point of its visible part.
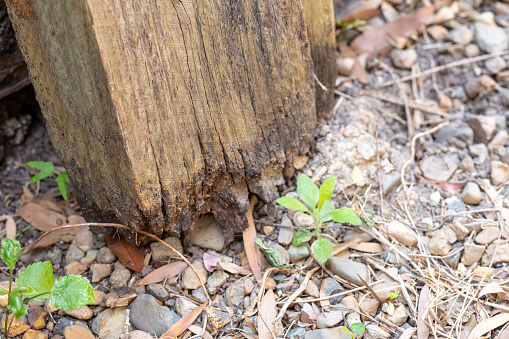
(165, 110)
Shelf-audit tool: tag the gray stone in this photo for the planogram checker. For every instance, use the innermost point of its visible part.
(355, 233)
(89, 258)
(73, 254)
(216, 280)
(461, 132)
(439, 168)
(161, 253)
(184, 306)
(312, 290)
(298, 253)
(84, 240)
(403, 58)
(106, 256)
(472, 253)
(331, 286)
(327, 333)
(375, 332)
(439, 243)
(471, 193)
(285, 235)
(206, 233)
(390, 181)
(301, 219)
(189, 279)
(329, 319)
(158, 291)
(487, 236)
(284, 254)
(461, 35)
(454, 203)
(484, 128)
(100, 271)
(235, 293)
(402, 233)
(483, 84)
(120, 277)
(110, 323)
(479, 152)
(148, 316)
(490, 38)
(349, 270)
(495, 65)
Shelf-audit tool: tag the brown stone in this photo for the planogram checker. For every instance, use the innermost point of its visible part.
(18, 327)
(33, 334)
(76, 331)
(75, 268)
(37, 317)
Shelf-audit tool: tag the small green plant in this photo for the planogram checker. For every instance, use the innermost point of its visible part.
(390, 306)
(47, 170)
(357, 328)
(321, 209)
(342, 24)
(36, 282)
(393, 295)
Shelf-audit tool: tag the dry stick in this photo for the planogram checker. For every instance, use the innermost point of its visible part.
(337, 294)
(295, 294)
(380, 186)
(402, 94)
(98, 224)
(412, 148)
(412, 104)
(444, 67)
(320, 83)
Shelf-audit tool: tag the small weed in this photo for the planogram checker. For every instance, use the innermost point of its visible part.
(47, 171)
(357, 328)
(342, 25)
(393, 295)
(321, 209)
(36, 282)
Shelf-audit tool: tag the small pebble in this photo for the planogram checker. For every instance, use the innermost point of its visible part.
(76, 331)
(100, 271)
(471, 194)
(83, 313)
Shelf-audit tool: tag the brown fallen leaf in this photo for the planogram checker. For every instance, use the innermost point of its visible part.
(450, 187)
(41, 218)
(183, 324)
(234, 269)
(249, 237)
(197, 330)
(162, 273)
(344, 246)
(131, 256)
(324, 303)
(51, 205)
(358, 71)
(268, 311)
(375, 39)
(424, 298)
(210, 262)
(10, 228)
(469, 326)
(489, 324)
(362, 14)
(368, 247)
(408, 333)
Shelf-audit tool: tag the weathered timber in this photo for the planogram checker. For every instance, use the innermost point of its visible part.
(165, 110)
(13, 71)
(321, 29)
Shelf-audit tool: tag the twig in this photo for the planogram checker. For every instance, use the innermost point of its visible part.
(412, 104)
(380, 186)
(319, 83)
(295, 294)
(336, 295)
(444, 67)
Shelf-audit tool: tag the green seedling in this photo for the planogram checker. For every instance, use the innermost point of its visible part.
(36, 282)
(390, 306)
(321, 209)
(47, 171)
(342, 24)
(393, 295)
(275, 257)
(357, 328)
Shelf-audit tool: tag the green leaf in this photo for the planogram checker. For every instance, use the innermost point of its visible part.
(325, 210)
(62, 181)
(322, 250)
(307, 190)
(345, 215)
(301, 237)
(9, 252)
(358, 328)
(38, 277)
(72, 292)
(326, 191)
(16, 305)
(393, 295)
(3, 291)
(47, 170)
(346, 330)
(329, 236)
(275, 257)
(292, 204)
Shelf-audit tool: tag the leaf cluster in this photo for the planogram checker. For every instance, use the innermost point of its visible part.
(321, 209)
(36, 282)
(47, 170)
(357, 328)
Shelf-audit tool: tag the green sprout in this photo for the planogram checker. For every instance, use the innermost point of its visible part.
(36, 282)
(321, 209)
(47, 170)
(343, 24)
(357, 328)
(393, 295)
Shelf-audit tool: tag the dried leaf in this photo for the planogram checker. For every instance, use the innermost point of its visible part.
(390, 14)
(362, 14)
(492, 288)
(408, 333)
(446, 186)
(234, 269)
(131, 256)
(424, 298)
(390, 309)
(469, 326)
(344, 246)
(162, 273)
(268, 310)
(41, 218)
(51, 205)
(324, 303)
(210, 262)
(183, 324)
(358, 70)
(249, 237)
(375, 39)
(197, 330)
(489, 324)
(10, 228)
(368, 247)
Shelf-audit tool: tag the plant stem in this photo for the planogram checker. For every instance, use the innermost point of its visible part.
(7, 328)
(36, 296)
